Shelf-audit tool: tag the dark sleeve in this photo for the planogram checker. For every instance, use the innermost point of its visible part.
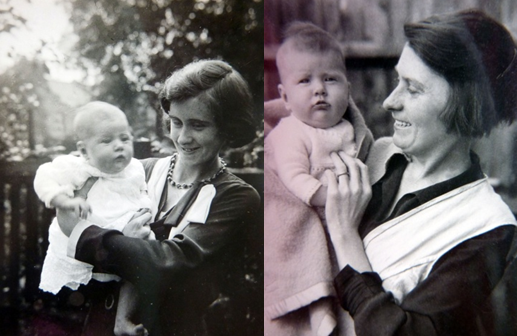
(151, 263)
(448, 302)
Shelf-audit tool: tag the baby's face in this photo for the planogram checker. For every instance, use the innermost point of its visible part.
(110, 148)
(314, 87)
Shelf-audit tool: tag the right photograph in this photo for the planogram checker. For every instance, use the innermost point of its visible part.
(390, 190)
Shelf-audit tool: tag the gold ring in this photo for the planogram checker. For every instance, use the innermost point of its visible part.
(345, 173)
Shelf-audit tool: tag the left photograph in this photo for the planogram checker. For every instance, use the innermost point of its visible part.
(131, 167)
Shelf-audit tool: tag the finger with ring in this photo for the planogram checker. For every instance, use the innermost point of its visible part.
(341, 174)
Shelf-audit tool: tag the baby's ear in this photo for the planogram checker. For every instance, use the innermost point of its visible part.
(82, 149)
(283, 95)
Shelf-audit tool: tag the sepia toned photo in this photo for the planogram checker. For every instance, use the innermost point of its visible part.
(131, 167)
(390, 167)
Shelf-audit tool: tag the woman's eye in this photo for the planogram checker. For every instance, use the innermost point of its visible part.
(330, 79)
(198, 126)
(176, 122)
(412, 90)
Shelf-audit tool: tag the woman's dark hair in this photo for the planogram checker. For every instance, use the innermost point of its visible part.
(222, 89)
(477, 57)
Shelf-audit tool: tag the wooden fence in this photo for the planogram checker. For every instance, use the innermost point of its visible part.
(24, 223)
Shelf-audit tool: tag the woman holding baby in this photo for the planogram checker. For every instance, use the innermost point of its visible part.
(190, 278)
(422, 250)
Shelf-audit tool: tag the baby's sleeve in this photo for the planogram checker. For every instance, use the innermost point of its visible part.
(291, 156)
(52, 179)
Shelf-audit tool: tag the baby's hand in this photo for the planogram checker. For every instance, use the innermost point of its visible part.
(79, 206)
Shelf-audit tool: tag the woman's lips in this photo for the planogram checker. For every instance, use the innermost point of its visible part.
(188, 150)
(401, 124)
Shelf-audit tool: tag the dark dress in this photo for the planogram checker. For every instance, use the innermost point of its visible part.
(455, 299)
(197, 283)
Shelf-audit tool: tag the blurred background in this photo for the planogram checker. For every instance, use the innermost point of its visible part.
(371, 34)
(59, 54)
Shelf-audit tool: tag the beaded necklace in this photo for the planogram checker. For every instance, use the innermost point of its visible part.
(189, 185)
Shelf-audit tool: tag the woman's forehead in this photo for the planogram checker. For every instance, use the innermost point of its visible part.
(192, 108)
(410, 66)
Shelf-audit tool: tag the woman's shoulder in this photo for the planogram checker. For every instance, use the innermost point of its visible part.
(234, 187)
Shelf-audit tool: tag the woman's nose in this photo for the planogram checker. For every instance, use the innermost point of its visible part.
(393, 102)
(184, 135)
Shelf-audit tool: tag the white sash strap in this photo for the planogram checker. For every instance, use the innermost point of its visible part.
(404, 250)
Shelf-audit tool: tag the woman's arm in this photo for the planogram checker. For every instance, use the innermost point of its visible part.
(452, 300)
(149, 263)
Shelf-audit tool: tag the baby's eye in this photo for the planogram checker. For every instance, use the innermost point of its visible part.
(304, 81)
(125, 138)
(105, 140)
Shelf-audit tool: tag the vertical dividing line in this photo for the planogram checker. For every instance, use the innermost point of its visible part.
(14, 252)
(32, 259)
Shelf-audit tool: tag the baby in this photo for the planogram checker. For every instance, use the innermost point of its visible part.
(315, 90)
(106, 147)
(298, 269)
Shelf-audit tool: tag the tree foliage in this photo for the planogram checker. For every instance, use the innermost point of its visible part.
(136, 44)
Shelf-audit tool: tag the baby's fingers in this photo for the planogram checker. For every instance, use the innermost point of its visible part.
(83, 210)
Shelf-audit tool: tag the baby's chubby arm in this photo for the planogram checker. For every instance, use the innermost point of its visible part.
(78, 205)
(293, 167)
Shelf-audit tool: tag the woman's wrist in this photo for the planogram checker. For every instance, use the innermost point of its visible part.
(349, 249)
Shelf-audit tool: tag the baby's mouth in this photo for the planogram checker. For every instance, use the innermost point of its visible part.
(321, 105)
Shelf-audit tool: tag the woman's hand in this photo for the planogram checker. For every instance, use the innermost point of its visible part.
(137, 226)
(348, 194)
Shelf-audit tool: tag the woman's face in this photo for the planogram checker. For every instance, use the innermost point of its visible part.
(416, 104)
(194, 132)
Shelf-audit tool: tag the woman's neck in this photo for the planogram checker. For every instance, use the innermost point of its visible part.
(442, 164)
(186, 173)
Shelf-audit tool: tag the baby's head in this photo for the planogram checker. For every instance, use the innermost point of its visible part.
(312, 72)
(104, 137)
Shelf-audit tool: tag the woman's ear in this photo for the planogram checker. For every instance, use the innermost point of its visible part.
(82, 149)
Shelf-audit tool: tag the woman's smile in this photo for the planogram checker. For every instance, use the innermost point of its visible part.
(401, 124)
(416, 105)
(194, 133)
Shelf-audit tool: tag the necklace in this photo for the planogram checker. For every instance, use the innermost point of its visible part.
(189, 185)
